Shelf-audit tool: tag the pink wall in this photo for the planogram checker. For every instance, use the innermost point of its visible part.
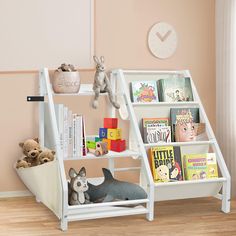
(121, 36)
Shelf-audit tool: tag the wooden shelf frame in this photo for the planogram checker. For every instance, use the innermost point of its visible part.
(218, 187)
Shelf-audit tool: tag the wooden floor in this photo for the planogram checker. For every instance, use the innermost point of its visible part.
(25, 217)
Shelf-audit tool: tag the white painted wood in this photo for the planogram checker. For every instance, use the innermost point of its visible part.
(180, 189)
(91, 211)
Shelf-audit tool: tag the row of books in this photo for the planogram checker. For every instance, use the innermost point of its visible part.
(183, 125)
(163, 90)
(71, 129)
(168, 165)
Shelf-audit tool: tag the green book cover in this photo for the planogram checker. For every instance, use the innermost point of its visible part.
(195, 166)
(175, 90)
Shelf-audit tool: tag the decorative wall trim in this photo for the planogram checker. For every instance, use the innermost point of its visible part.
(25, 193)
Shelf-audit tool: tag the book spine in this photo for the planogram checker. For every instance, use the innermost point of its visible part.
(74, 135)
(65, 133)
(70, 134)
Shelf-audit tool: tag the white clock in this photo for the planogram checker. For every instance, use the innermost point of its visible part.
(162, 40)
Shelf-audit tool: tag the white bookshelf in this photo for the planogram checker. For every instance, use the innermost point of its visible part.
(218, 187)
(53, 173)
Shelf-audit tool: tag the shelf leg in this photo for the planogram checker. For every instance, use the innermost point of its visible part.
(226, 197)
(64, 224)
(150, 205)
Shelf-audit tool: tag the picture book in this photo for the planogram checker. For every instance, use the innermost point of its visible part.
(212, 169)
(175, 90)
(157, 134)
(144, 91)
(182, 123)
(200, 131)
(166, 164)
(200, 166)
(195, 166)
(155, 122)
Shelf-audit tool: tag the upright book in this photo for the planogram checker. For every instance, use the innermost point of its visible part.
(144, 91)
(183, 123)
(200, 166)
(166, 163)
(175, 90)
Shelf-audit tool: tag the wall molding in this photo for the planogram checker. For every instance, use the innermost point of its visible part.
(9, 194)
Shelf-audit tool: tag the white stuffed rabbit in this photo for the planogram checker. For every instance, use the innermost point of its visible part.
(101, 83)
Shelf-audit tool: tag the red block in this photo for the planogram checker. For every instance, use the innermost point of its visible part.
(110, 123)
(118, 145)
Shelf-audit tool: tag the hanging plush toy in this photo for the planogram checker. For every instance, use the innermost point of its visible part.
(101, 83)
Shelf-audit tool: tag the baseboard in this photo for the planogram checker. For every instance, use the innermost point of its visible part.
(25, 193)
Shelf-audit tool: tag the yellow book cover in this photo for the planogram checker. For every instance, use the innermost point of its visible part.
(212, 169)
(166, 164)
(195, 166)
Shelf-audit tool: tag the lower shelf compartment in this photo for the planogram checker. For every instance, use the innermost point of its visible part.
(76, 213)
(188, 189)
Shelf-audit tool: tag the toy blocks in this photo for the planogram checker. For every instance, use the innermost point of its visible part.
(102, 132)
(110, 123)
(108, 141)
(118, 145)
(114, 134)
(111, 135)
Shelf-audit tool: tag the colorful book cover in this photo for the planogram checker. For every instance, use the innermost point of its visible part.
(212, 169)
(155, 122)
(175, 90)
(182, 124)
(195, 166)
(144, 91)
(166, 164)
(157, 134)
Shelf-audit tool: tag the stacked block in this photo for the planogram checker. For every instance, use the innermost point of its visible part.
(111, 134)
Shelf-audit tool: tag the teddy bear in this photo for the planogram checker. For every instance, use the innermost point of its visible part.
(45, 156)
(22, 164)
(31, 150)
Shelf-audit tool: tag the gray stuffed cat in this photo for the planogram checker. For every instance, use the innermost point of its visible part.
(77, 187)
(101, 83)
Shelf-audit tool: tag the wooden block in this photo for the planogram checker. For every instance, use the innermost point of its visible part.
(91, 144)
(102, 133)
(108, 141)
(110, 123)
(118, 145)
(114, 134)
(98, 139)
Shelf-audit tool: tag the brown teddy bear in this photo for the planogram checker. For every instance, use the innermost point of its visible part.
(31, 149)
(22, 164)
(45, 156)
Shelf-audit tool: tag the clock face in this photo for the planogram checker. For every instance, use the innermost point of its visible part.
(162, 40)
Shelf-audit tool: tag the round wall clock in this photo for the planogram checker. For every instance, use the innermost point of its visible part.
(162, 40)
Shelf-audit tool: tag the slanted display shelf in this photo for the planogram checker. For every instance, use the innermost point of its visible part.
(216, 187)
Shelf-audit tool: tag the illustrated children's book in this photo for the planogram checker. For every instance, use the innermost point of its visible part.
(166, 164)
(157, 134)
(144, 91)
(182, 124)
(175, 90)
(200, 166)
(155, 130)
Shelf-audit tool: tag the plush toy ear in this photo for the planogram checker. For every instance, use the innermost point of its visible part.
(36, 139)
(82, 172)
(102, 59)
(72, 173)
(96, 59)
(53, 152)
(21, 144)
